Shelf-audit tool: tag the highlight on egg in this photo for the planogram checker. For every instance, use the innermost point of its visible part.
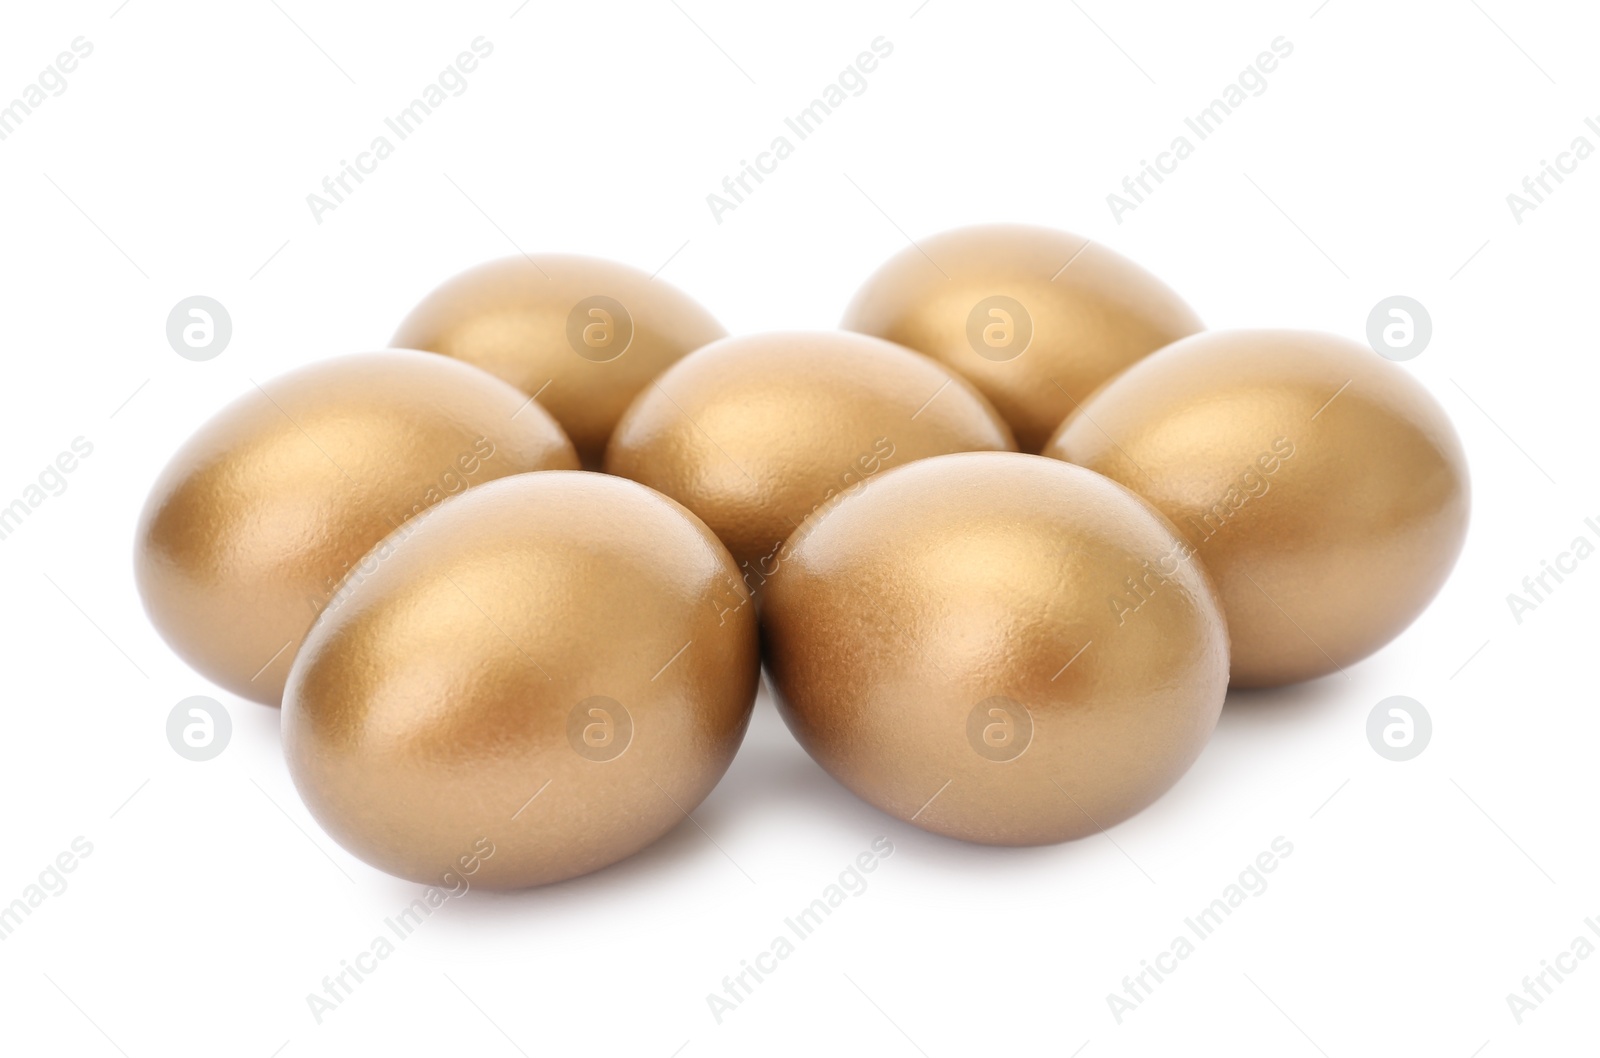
(1323, 487)
(258, 520)
(543, 677)
(1035, 318)
(752, 433)
(581, 335)
(945, 642)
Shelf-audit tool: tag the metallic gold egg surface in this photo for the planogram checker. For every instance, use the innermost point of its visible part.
(996, 649)
(585, 335)
(1322, 486)
(249, 530)
(754, 432)
(1035, 318)
(541, 679)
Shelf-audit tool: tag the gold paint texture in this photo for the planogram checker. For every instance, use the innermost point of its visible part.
(555, 667)
(754, 432)
(249, 530)
(1035, 318)
(944, 642)
(1322, 487)
(539, 676)
(584, 334)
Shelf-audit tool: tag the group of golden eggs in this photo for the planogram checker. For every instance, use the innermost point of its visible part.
(474, 639)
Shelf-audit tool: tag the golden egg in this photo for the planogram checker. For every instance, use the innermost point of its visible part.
(1035, 318)
(544, 676)
(752, 433)
(581, 334)
(996, 647)
(258, 517)
(1322, 486)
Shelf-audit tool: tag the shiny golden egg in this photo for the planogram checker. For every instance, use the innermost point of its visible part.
(1322, 486)
(250, 529)
(581, 334)
(542, 677)
(996, 647)
(753, 433)
(1035, 318)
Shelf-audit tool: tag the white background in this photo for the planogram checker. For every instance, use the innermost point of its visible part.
(1377, 162)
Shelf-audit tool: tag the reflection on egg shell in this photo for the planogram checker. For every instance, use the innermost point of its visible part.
(580, 334)
(1035, 318)
(250, 531)
(1323, 487)
(544, 677)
